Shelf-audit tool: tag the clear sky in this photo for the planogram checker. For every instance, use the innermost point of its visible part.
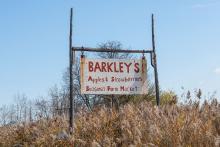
(34, 40)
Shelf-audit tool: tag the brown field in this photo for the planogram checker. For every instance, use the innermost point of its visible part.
(138, 125)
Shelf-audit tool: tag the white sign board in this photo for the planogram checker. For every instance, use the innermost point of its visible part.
(113, 76)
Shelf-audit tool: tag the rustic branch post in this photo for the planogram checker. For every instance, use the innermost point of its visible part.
(154, 59)
(71, 75)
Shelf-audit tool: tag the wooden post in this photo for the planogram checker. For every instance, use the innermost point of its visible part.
(71, 76)
(155, 64)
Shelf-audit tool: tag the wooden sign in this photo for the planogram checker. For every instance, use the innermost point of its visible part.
(113, 76)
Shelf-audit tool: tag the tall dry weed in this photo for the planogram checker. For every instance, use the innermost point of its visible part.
(140, 124)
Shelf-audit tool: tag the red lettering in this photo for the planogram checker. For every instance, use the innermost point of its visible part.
(90, 66)
(121, 66)
(87, 88)
(109, 88)
(90, 78)
(122, 88)
(112, 67)
(109, 67)
(113, 79)
(115, 68)
(104, 67)
(128, 66)
(97, 67)
(136, 67)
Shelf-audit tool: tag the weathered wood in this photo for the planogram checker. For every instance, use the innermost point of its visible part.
(71, 75)
(89, 49)
(154, 59)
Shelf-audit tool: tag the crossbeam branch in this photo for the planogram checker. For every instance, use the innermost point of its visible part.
(89, 49)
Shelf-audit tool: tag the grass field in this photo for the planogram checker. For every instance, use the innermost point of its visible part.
(141, 124)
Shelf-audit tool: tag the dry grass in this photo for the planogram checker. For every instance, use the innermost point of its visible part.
(138, 125)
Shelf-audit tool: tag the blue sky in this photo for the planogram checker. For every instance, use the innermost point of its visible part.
(34, 40)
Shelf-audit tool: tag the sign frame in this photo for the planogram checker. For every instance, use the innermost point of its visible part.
(72, 51)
